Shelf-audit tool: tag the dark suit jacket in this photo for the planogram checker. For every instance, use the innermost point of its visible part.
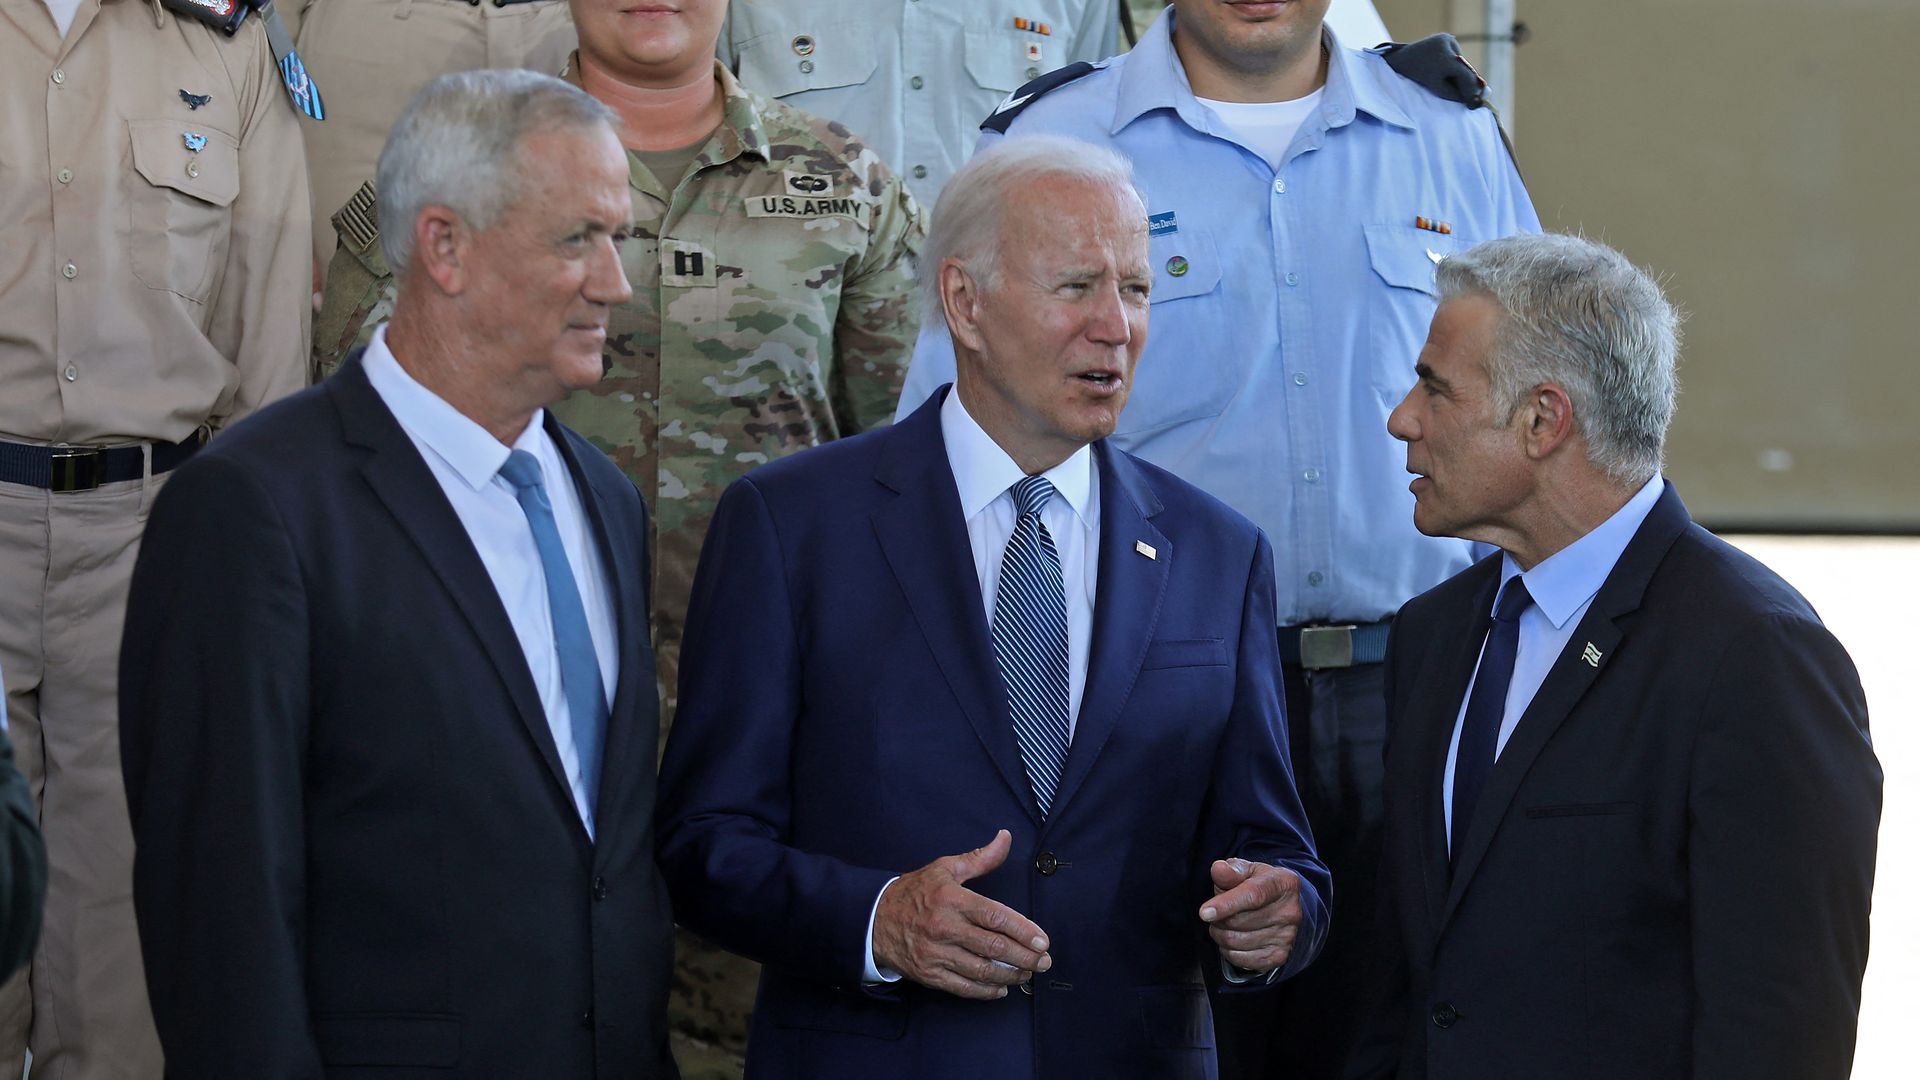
(1668, 873)
(842, 720)
(357, 854)
(23, 865)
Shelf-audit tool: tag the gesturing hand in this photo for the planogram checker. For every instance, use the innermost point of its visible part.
(1254, 914)
(932, 929)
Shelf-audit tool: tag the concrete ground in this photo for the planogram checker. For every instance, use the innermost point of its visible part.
(1867, 589)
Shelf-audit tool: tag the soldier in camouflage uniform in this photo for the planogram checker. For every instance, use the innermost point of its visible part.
(773, 310)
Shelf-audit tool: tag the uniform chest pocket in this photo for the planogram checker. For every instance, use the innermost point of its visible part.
(1174, 384)
(797, 55)
(998, 59)
(183, 183)
(1405, 259)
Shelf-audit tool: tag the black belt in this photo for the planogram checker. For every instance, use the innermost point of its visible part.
(64, 469)
(1319, 647)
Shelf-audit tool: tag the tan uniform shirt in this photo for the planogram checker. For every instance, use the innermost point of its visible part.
(146, 288)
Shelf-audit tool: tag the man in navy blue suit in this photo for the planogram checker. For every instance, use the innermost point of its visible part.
(984, 624)
(1631, 799)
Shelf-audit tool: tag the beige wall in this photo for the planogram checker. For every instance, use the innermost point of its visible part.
(1762, 156)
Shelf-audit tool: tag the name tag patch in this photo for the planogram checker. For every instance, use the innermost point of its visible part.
(794, 206)
(1162, 224)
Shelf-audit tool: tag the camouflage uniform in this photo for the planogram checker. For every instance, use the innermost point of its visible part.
(773, 310)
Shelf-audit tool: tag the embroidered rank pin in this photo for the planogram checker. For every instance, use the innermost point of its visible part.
(194, 101)
(1431, 225)
(1591, 655)
(1146, 549)
(195, 143)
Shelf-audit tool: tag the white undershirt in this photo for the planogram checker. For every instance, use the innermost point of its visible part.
(1266, 127)
(466, 460)
(63, 12)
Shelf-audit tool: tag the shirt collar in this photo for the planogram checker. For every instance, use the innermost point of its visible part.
(1563, 582)
(1152, 78)
(464, 445)
(983, 471)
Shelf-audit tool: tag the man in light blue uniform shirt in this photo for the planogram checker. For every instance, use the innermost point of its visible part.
(1299, 195)
(913, 78)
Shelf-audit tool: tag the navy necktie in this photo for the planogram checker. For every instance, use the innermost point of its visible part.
(572, 638)
(1030, 640)
(1486, 707)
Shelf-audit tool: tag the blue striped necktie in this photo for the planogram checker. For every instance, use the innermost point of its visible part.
(572, 638)
(1030, 640)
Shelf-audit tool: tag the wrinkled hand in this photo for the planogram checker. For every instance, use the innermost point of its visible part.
(932, 929)
(1254, 914)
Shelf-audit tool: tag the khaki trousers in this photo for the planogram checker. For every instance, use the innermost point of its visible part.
(370, 56)
(65, 564)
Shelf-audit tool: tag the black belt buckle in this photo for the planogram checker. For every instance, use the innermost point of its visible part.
(73, 468)
(1323, 647)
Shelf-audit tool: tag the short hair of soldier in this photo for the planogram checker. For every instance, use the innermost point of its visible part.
(457, 145)
(966, 220)
(1579, 314)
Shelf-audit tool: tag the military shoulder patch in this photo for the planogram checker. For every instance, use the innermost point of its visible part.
(1017, 102)
(1434, 63)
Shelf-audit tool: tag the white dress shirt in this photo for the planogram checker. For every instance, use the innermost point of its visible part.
(466, 460)
(1563, 586)
(985, 475)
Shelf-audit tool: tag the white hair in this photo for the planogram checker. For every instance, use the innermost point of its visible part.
(1578, 313)
(457, 145)
(966, 220)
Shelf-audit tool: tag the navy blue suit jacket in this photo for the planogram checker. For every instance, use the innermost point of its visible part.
(842, 720)
(357, 851)
(1668, 873)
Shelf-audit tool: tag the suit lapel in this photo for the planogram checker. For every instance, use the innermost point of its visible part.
(1126, 609)
(404, 483)
(1456, 649)
(924, 538)
(624, 575)
(1572, 675)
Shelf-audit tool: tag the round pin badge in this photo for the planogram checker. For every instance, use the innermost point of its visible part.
(803, 45)
(1177, 266)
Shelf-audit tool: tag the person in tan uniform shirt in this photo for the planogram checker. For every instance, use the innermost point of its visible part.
(369, 57)
(154, 276)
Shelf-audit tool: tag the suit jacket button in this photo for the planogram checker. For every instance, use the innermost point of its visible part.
(586, 1019)
(1444, 1015)
(1026, 988)
(599, 888)
(1046, 862)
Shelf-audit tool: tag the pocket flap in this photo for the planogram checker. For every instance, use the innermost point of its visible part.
(837, 54)
(210, 174)
(997, 59)
(1200, 652)
(1406, 257)
(405, 1040)
(1184, 264)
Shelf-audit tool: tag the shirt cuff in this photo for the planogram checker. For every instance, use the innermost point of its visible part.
(872, 973)
(1238, 977)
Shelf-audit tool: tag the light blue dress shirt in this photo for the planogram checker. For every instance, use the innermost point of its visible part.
(466, 460)
(1289, 305)
(1563, 586)
(913, 78)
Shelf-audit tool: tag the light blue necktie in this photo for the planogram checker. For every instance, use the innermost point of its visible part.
(1030, 640)
(572, 638)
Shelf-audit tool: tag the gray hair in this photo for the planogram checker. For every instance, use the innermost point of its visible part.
(1577, 313)
(966, 221)
(457, 145)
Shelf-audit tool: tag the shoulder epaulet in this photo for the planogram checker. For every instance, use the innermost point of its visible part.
(1435, 64)
(1018, 101)
(358, 224)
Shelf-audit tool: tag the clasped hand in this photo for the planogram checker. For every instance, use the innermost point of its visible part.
(1254, 914)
